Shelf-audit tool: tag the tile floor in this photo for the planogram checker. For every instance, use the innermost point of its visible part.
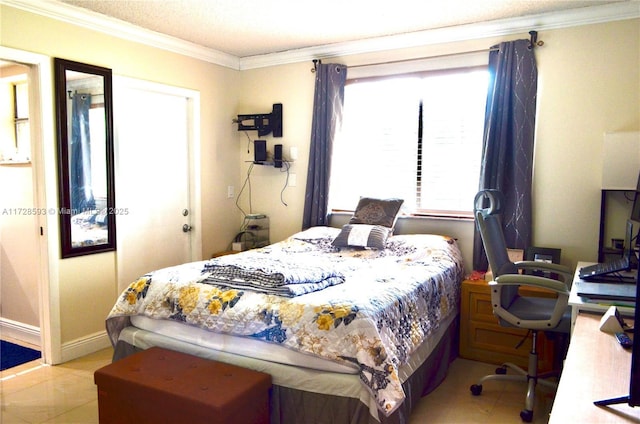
(66, 393)
(499, 403)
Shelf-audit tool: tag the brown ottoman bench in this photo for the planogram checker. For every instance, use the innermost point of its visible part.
(162, 386)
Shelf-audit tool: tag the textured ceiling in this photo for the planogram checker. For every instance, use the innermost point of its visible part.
(254, 27)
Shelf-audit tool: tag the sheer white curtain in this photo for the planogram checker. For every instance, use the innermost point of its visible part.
(375, 153)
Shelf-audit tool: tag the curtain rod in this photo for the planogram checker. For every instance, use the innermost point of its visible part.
(317, 62)
(415, 59)
(532, 43)
(72, 93)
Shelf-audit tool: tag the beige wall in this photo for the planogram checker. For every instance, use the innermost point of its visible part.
(87, 285)
(291, 85)
(589, 84)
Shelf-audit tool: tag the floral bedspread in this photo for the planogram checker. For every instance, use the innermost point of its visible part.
(390, 301)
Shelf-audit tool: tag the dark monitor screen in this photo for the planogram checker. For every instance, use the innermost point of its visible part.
(635, 211)
(633, 398)
(634, 387)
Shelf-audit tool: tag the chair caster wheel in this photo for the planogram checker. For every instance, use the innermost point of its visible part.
(526, 415)
(476, 389)
(501, 370)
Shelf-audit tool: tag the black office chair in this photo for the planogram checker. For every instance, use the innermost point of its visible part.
(514, 310)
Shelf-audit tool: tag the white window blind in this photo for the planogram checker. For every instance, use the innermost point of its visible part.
(415, 137)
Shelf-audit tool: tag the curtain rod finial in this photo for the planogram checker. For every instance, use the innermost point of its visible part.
(316, 62)
(534, 40)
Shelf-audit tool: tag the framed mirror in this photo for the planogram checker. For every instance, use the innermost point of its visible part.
(84, 115)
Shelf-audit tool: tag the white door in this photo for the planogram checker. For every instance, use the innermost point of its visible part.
(153, 205)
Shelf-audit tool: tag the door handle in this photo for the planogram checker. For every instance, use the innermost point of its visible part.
(186, 228)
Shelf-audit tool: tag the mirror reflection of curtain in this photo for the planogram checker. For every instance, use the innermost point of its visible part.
(80, 156)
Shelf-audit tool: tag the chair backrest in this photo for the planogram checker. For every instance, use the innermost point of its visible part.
(488, 209)
(488, 206)
(489, 222)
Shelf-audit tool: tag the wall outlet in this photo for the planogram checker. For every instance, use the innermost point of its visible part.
(293, 180)
(230, 192)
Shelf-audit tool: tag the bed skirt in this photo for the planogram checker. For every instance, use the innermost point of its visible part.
(294, 406)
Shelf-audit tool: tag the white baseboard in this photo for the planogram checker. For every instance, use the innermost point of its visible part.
(85, 346)
(20, 331)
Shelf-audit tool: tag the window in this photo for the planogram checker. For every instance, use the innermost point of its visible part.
(21, 119)
(417, 137)
(15, 140)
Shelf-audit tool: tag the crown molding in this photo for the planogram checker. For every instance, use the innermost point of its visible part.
(503, 27)
(117, 28)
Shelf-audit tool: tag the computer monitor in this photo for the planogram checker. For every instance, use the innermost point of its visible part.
(634, 386)
(633, 398)
(629, 252)
(635, 211)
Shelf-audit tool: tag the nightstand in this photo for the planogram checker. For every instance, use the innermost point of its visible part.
(483, 339)
(223, 253)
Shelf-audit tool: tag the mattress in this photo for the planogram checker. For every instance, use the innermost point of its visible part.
(318, 379)
(142, 327)
(243, 346)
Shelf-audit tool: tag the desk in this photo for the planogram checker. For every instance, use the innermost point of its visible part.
(578, 303)
(596, 368)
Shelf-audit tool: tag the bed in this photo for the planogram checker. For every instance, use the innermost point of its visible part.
(89, 228)
(349, 334)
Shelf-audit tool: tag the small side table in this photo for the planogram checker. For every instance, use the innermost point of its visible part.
(224, 253)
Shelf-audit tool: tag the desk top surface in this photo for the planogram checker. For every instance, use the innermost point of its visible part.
(596, 368)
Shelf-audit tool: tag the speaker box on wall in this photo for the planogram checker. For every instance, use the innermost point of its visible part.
(277, 156)
(259, 150)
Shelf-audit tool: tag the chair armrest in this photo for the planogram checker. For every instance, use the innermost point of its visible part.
(531, 280)
(546, 266)
(550, 318)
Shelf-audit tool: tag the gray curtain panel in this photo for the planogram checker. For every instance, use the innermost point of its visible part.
(327, 116)
(80, 170)
(507, 154)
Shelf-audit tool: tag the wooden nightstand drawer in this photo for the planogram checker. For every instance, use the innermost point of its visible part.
(480, 307)
(482, 338)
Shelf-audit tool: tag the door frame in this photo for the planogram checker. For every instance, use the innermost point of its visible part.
(193, 144)
(43, 165)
